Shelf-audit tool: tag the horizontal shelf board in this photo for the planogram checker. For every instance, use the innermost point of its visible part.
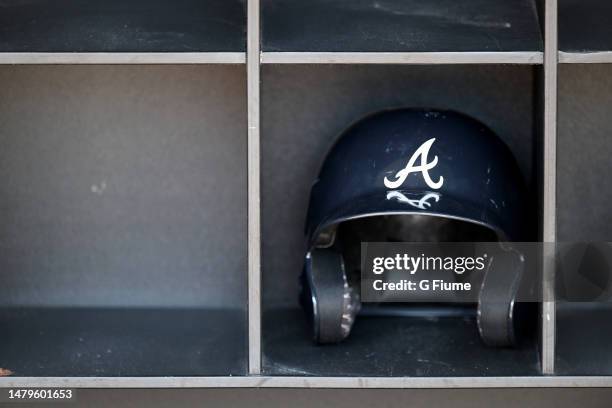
(399, 26)
(584, 25)
(122, 342)
(122, 58)
(305, 382)
(391, 347)
(123, 26)
(594, 57)
(527, 57)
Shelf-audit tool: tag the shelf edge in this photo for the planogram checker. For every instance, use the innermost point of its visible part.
(519, 57)
(305, 382)
(599, 57)
(122, 58)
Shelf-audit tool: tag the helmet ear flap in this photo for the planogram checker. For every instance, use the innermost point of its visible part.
(497, 313)
(329, 300)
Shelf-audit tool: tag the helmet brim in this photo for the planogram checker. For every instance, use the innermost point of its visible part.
(405, 202)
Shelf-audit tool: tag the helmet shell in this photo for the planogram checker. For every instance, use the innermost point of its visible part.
(418, 161)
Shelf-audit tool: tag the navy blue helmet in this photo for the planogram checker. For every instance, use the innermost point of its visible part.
(439, 163)
(438, 167)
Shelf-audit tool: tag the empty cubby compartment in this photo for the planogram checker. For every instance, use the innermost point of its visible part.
(400, 26)
(123, 248)
(123, 26)
(584, 194)
(584, 25)
(304, 109)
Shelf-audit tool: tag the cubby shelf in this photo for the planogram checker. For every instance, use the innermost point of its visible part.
(585, 34)
(122, 342)
(297, 135)
(392, 347)
(133, 26)
(584, 26)
(309, 382)
(115, 217)
(416, 58)
(585, 147)
(600, 57)
(122, 58)
(123, 32)
(399, 26)
(400, 32)
(180, 326)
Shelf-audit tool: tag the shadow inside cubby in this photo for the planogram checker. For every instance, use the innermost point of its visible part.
(304, 109)
(123, 248)
(400, 26)
(123, 26)
(583, 208)
(584, 25)
(393, 347)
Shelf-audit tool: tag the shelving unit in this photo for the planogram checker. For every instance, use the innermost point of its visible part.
(165, 178)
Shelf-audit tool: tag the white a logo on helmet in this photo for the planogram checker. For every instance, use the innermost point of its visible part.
(422, 203)
(423, 167)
